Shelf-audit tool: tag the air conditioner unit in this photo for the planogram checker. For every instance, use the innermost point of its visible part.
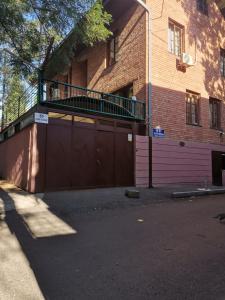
(187, 60)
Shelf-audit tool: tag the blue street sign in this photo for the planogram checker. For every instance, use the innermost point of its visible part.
(158, 132)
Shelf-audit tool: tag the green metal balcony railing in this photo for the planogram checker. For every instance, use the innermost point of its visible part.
(13, 109)
(62, 95)
(69, 97)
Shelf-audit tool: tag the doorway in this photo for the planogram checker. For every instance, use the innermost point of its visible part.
(218, 165)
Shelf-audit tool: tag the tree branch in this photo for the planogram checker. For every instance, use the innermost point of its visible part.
(48, 52)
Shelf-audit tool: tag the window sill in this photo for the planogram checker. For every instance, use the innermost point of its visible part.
(109, 67)
(216, 129)
(194, 125)
(175, 55)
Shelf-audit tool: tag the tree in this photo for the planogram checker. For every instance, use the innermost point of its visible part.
(32, 29)
(5, 73)
(15, 102)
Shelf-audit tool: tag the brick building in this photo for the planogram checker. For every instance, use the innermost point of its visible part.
(177, 68)
(188, 103)
(187, 100)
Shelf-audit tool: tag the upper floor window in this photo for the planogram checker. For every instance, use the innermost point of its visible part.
(176, 38)
(112, 49)
(126, 91)
(222, 62)
(214, 107)
(192, 108)
(54, 91)
(202, 6)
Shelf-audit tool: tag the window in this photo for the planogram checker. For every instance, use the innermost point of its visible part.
(54, 92)
(222, 62)
(214, 107)
(126, 92)
(192, 108)
(202, 6)
(176, 38)
(112, 55)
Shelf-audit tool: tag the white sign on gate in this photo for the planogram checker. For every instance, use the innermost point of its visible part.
(41, 118)
(130, 137)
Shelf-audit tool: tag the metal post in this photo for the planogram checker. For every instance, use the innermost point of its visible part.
(146, 6)
(149, 54)
(19, 103)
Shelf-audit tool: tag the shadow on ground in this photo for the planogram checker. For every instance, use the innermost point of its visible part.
(169, 250)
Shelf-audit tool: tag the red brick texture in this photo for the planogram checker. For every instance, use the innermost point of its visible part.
(130, 65)
(204, 35)
(203, 38)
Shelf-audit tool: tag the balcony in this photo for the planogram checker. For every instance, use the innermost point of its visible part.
(16, 109)
(59, 95)
(66, 96)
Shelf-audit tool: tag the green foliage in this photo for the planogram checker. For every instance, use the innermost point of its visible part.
(94, 27)
(15, 103)
(32, 29)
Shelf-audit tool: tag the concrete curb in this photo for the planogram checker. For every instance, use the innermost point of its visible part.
(197, 193)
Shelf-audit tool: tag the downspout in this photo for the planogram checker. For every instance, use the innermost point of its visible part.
(149, 53)
(149, 85)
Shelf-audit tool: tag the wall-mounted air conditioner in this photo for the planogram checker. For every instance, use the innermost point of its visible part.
(187, 60)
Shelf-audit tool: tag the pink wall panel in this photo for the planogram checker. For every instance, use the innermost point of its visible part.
(174, 164)
(142, 161)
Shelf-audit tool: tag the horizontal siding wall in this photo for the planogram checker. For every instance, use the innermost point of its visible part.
(176, 164)
(142, 161)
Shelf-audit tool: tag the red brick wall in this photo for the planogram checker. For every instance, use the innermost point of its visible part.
(204, 33)
(170, 85)
(78, 75)
(130, 66)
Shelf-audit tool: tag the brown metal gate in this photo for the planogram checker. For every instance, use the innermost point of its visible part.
(85, 153)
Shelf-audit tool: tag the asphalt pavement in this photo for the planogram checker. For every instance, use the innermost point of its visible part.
(158, 250)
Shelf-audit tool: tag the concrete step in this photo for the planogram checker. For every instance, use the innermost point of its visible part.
(198, 192)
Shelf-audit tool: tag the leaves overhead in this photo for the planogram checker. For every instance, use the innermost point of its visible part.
(92, 28)
(32, 29)
(14, 103)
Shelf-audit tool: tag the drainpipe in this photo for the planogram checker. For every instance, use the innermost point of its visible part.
(149, 107)
(149, 53)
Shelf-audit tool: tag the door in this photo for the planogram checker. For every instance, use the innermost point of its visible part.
(86, 156)
(58, 155)
(83, 158)
(105, 159)
(124, 159)
(217, 166)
